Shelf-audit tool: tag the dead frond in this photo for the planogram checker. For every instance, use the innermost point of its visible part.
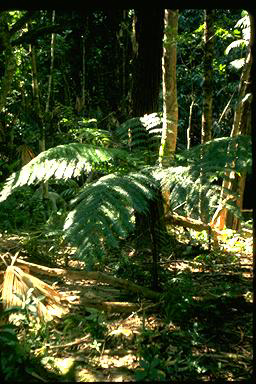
(16, 285)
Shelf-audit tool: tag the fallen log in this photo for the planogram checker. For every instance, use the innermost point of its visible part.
(197, 225)
(98, 276)
(111, 306)
(186, 222)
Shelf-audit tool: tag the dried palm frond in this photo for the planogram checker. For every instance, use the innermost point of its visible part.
(16, 285)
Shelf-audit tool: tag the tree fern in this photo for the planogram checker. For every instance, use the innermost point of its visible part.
(184, 178)
(64, 162)
(103, 212)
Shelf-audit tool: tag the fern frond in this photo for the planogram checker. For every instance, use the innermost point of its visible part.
(219, 153)
(184, 180)
(103, 212)
(62, 162)
(142, 131)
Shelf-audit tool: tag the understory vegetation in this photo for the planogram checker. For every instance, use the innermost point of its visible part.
(114, 264)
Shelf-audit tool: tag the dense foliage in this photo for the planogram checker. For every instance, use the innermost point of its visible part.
(68, 84)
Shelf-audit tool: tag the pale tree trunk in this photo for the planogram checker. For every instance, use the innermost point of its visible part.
(206, 130)
(206, 133)
(170, 103)
(189, 129)
(233, 183)
(47, 106)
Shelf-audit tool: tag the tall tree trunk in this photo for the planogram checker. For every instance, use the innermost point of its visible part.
(53, 43)
(9, 70)
(36, 99)
(145, 99)
(84, 62)
(189, 129)
(47, 106)
(233, 183)
(125, 38)
(206, 134)
(10, 63)
(38, 110)
(170, 103)
(206, 130)
(147, 64)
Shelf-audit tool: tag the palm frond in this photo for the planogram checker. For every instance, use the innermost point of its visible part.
(16, 286)
(63, 162)
(103, 212)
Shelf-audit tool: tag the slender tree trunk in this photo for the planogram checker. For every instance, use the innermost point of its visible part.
(206, 130)
(38, 109)
(53, 43)
(208, 76)
(170, 103)
(189, 129)
(47, 106)
(83, 71)
(36, 99)
(234, 183)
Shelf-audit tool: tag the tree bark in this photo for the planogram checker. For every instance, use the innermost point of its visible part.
(206, 130)
(53, 43)
(147, 63)
(148, 49)
(38, 111)
(233, 183)
(170, 103)
(10, 60)
(206, 134)
(189, 129)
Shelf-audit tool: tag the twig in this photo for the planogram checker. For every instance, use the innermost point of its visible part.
(224, 355)
(77, 341)
(143, 309)
(15, 257)
(34, 374)
(4, 260)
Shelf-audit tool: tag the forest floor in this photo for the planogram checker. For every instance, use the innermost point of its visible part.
(200, 329)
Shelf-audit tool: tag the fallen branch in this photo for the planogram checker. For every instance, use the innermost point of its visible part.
(75, 342)
(98, 276)
(186, 222)
(111, 306)
(197, 225)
